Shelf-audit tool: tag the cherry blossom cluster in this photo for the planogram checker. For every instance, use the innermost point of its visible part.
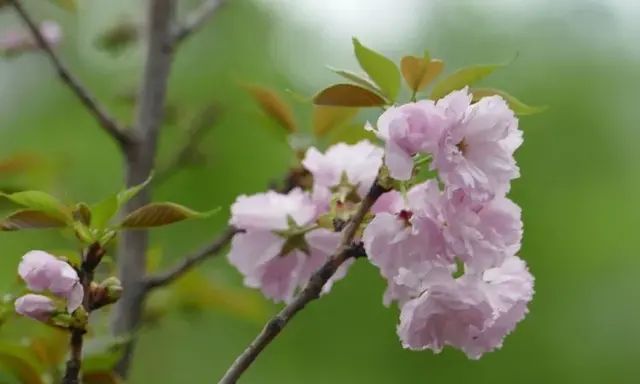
(45, 273)
(447, 246)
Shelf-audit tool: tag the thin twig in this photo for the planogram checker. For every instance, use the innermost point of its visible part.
(109, 124)
(191, 261)
(199, 127)
(308, 294)
(196, 20)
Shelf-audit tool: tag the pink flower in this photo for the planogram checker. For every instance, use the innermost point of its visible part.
(42, 271)
(37, 307)
(409, 233)
(358, 164)
(18, 41)
(473, 313)
(272, 210)
(278, 250)
(482, 235)
(407, 130)
(476, 152)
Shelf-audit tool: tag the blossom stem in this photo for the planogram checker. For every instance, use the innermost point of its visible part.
(72, 374)
(309, 293)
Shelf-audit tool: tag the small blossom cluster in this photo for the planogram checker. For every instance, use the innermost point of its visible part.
(447, 246)
(449, 254)
(282, 243)
(45, 273)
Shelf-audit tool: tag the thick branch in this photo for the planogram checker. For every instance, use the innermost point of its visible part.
(308, 294)
(109, 124)
(140, 159)
(191, 261)
(197, 19)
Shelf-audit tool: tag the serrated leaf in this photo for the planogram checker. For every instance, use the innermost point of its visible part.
(461, 78)
(159, 214)
(418, 72)
(348, 95)
(20, 363)
(41, 201)
(274, 107)
(325, 119)
(380, 69)
(359, 79)
(517, 106)
(103, 211)
(127, 194)
(30, 219)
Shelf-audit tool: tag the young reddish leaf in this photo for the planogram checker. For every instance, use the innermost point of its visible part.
(159, 214)
(30, 219)
(274, 107)
(101, 377)
(20, 162)
(325, 119)
(380, 69)
(418, 72)
(461, 78)
(518, 107)
(348, 95)
(41, 201)
(359, 79)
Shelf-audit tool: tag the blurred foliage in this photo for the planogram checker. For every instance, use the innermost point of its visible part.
(578, 189)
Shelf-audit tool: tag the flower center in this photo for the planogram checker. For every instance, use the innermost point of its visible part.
(405, 216)
(462, 146)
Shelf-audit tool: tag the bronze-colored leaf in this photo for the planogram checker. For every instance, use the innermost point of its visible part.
(101, 377)
(274, 107)
(159, 214)
(418, 72)
(348, 95)
(30, 219)
(325, 119)
(82, 213)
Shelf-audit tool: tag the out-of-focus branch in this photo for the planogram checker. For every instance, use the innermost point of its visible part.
(109, 124)
(308, 294)
(198, 129)
(196, 20)
(140, 160)
(190, 261)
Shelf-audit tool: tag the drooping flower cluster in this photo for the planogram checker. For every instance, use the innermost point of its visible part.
(45, 273)
(281, 244)
(449, 256)
(447, 247)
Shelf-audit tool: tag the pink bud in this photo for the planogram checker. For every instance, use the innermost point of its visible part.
(42, 271)
(37, 307)
(18, 41)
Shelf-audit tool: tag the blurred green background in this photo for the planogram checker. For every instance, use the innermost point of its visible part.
(579, 188)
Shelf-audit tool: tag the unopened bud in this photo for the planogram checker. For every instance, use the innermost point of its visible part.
(37, 307)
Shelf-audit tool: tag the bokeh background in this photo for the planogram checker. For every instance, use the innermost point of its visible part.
(579, 187)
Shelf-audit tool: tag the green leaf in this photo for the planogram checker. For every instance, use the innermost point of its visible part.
(82, 213)
(103, 211)
(461, 78)
(361, 80)
(380, 69)
(348, 95)
(418, 72)
(127, 194)
(325, 119)
(21, 363)
(518, 107)
(274, 107)
(159, 214)
(41, 201)
(30, 219)
(103, 353)
(69, 5)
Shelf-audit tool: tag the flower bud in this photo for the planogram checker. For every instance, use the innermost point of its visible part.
(113, 288)
(37, 307)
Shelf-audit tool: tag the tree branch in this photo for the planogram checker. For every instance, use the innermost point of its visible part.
(140, 159)
(308, 294)
(109, 124)
(196, 20)
(191, 261)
